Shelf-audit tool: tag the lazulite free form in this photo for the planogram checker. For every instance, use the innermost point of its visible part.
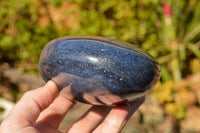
(98, 71)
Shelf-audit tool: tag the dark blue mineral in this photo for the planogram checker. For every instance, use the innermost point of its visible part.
(97, 70)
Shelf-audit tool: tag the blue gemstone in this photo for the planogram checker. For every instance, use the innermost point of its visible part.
(98, 71)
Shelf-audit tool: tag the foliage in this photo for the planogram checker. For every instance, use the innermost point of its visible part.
(176, 97)
(181, 37)
(22, 37)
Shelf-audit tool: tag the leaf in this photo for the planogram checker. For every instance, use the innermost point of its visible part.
(194, 49)
(165, 59)
(190, 35)
(165, 75)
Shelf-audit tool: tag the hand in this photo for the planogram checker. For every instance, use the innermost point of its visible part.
(41, 111)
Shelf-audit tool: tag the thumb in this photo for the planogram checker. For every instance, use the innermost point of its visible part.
(29, 107)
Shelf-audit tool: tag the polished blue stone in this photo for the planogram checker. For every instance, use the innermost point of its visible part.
(97, 70)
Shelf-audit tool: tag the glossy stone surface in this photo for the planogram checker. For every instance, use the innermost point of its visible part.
(98, 71)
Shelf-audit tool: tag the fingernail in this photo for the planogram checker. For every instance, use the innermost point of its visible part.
(50, 83)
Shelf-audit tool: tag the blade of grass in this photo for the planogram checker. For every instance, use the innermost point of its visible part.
(192, 33)
(194, 49)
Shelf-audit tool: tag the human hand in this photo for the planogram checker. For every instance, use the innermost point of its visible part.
(41, 111)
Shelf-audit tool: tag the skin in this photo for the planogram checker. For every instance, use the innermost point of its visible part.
(42, 110)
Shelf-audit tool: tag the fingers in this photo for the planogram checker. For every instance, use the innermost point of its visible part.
(118, 117)
(88, 122)
(115, 119)
(27, 110)
(54, 114)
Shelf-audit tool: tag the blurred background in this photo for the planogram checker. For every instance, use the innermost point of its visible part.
(168, 29)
